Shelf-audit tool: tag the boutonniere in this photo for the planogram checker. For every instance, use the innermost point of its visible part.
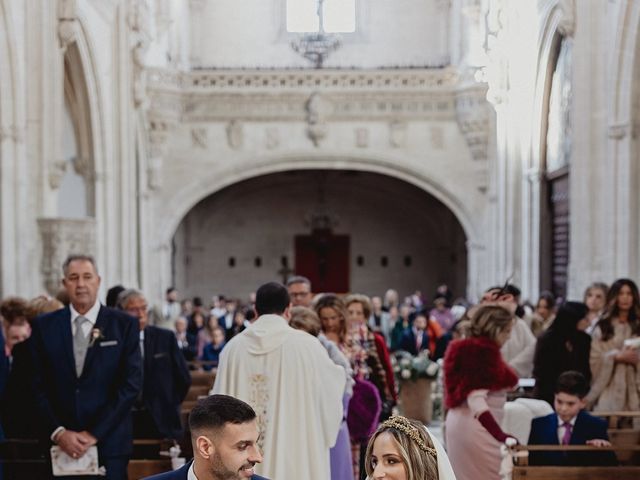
(96, 336)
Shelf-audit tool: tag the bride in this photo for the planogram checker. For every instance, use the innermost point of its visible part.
(403, 449)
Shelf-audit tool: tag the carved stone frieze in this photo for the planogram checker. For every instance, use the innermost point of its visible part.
(293, 107)
(60, 238)
(303, 80)
(474, 118)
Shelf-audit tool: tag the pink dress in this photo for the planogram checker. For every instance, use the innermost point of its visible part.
(473, 452)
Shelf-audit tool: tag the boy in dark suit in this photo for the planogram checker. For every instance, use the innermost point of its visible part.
(570, 425)
(224, 435)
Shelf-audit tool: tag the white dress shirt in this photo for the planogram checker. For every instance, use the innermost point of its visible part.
(91, 315)
(191, 474)
(562, 428)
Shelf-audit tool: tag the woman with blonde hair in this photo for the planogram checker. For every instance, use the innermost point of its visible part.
(476, 380)
(403, 449)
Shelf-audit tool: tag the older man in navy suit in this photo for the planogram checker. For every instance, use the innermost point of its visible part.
(156, 413)
(87, 372)
(224, 435)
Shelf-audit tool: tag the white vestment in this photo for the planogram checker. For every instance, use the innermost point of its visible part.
(296, 391)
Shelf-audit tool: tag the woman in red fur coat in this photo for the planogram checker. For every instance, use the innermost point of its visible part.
(476, 381)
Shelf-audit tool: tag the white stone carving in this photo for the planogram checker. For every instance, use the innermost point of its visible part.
(318, 108)
(235, 134)
(362, 137)
(60, 238)
(159, 129)
(200, 137)
(56, 173)
(398, 134)
(474, 119)
(138, 19)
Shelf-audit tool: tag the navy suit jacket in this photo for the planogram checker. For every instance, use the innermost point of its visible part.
(166, 380)
(100, 400)
(408, 342)
(181, 474)
(544, 431)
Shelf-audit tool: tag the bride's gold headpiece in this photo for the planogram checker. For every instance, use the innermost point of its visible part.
(404, 425)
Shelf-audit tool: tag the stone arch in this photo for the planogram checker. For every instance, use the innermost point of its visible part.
(183, 201)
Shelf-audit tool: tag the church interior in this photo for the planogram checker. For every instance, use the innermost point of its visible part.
(427, 148)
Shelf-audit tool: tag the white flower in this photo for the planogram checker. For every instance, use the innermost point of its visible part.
(432, 369)
(406, 374)
(405, 362)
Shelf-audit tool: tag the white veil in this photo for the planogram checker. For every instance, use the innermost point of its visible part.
(445, 471)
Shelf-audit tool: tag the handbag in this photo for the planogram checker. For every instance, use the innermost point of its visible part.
(364, 410)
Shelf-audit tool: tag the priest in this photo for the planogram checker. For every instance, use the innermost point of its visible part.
(291, 383)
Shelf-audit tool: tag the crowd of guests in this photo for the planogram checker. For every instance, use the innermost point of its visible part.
(319, 365)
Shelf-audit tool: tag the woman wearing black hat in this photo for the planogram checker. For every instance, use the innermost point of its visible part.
(563, 346)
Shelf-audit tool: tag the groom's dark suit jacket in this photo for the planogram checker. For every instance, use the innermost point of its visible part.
(181, 474)
(100, 400)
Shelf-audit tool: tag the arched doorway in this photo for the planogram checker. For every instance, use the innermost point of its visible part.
(554, 189)
(348, 230)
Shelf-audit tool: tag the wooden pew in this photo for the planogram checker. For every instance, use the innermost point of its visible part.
(27, 459)
(523, 471)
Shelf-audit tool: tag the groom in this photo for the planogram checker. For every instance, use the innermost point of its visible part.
(224, 435)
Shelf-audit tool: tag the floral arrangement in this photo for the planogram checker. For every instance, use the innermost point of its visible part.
(408, 367)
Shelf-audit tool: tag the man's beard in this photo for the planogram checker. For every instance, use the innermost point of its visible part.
(221, 472)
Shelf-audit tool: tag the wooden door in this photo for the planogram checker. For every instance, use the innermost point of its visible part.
(324, 259)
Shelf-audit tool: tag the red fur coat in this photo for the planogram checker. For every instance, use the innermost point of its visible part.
(474, 364)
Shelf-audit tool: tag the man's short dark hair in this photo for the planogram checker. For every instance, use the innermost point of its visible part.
(272, 297)
(572, 383)
(213, 412)
(298, 279)
(169, 290)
